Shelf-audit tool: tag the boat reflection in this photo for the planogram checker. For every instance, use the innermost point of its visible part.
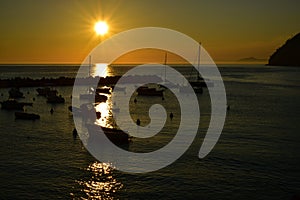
(101, 182)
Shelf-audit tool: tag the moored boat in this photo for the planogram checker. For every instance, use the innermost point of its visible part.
(12, 104)
(46, 92)
(115, 135)
(105, 90)
(146, 91)
(119, 89)
(55, 99)
(98, 97)
(15, 93)
(26, 116)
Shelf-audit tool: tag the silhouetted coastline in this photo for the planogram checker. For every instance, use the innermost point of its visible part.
(288, 54)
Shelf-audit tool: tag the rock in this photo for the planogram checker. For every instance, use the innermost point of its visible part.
(288, 54)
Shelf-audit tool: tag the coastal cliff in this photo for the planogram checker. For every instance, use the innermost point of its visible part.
(288, 54)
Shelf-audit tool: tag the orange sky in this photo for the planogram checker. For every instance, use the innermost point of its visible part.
(54, 31)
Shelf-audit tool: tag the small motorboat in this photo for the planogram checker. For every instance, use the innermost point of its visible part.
(46, 92)
(26, 116)
(74, 110)
(185, 89)
(119, 89)
(115, 135)
(147, 91)
(15, 93)
(55, 99)
(13, 104)
(105, 90)
(98, 97)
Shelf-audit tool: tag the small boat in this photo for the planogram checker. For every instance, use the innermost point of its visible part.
(146, 91)
(115, 135)
(15, 93)
(46, 92)
(119, 89)
(115, 110)
(26, 116)
(85, 110)
(105, 90)
(12, 104)
(55, 99)
(74, 110)
(98, 97)
(200, 82)
(197, 89)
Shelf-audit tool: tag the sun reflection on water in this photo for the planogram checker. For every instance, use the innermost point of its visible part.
(101, 184)
(99, 69)
(106, 118)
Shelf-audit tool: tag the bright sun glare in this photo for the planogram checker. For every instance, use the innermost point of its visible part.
(101, 28)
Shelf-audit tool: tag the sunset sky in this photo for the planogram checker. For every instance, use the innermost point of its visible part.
(61, 31)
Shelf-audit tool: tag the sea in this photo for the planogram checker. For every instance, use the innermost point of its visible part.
(256, 157)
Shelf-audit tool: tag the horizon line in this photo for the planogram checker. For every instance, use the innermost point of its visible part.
(128, 63)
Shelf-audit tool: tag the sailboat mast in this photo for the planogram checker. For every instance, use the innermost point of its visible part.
(198, 65)
(90, 63)
(166, 57)
(199, 50)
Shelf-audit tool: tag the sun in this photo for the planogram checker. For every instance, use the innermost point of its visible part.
(101, 27)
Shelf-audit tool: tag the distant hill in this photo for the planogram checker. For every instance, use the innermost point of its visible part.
(251, 59)
(288, 54)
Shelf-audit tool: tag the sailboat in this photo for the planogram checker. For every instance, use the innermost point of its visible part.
(200, 83)
(98, 97)
(166, 84)
(195, 84)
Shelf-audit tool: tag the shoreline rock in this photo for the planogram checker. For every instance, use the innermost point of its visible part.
(288, 54)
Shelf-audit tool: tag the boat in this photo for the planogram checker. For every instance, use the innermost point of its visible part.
(46, 92)
(119, 89)
(26, 116)
(55, 99)
(166, 84)
(115, 135)
(185, 89)
(75, 111)
(147, 91)
(98, 97)
(86, 110)
(115, 110)
(105, 90)
(13, 104)
(15, 93)
(199, 83)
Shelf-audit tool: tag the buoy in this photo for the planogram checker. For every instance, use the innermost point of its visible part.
(74, 133)
(138, 122)
(98, 114)
(171, 115)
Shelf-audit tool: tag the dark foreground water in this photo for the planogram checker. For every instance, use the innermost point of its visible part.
(257, 156)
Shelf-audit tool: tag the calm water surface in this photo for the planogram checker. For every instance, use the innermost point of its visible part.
(257, 156)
